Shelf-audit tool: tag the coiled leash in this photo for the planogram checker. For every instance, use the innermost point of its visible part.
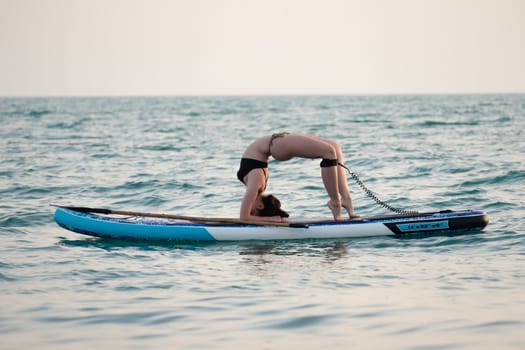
(374, 197)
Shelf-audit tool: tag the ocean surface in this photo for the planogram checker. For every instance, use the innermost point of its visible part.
(179, 155)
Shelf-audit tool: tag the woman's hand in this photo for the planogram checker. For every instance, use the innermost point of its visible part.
(279, 219)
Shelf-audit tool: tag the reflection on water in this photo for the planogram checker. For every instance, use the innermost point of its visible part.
(337, 251)
(258, 256)
(276, 260)
(262, 253)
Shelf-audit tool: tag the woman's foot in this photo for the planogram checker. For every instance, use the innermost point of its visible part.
(335, 207)
(347, 204)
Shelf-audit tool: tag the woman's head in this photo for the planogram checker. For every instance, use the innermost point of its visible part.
(270, 206)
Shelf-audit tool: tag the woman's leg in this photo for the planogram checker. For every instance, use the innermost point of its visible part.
(303, 146)
(344, 191)
(329, 175)
(309, 146)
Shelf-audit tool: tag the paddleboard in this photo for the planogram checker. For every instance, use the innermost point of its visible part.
(142, 227)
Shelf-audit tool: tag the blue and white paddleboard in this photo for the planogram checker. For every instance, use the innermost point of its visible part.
(165, 228)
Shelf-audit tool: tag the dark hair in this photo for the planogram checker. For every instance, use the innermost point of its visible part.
(272, 207)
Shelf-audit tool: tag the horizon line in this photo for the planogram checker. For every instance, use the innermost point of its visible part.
(263, 95)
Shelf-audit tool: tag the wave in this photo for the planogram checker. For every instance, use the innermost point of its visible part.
(432, 123)
(162, 147)
(510, 176)
(38, 113)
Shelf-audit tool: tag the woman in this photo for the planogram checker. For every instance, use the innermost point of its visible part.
(283, 146)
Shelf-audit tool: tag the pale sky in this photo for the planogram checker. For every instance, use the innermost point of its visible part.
(246, 47)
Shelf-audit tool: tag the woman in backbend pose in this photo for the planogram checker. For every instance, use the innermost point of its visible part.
(283, 146)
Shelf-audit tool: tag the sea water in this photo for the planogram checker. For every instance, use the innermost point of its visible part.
(179, 155)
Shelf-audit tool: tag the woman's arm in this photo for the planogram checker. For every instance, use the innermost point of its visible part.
(256, 182)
